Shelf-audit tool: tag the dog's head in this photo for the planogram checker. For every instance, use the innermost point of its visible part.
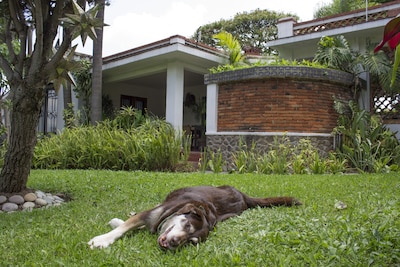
(190, 224)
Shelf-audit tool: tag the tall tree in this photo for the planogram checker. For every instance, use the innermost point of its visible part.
(97, 72)
(252, 29)
(342, 6)
(29, 71)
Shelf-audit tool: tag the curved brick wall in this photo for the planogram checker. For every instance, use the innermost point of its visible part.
(280, 99)
(275, 99)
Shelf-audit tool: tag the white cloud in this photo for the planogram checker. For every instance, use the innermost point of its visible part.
(134, 29)
(133, 24)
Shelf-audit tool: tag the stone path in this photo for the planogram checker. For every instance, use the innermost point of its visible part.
(28, 201)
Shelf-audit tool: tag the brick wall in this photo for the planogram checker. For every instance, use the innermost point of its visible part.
(279, 105)
(258, 103)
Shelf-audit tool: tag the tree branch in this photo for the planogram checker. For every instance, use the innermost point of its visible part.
(37, 55)
(5, 66)
(66, 40)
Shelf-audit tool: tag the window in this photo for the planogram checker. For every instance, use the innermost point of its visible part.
(139, 103)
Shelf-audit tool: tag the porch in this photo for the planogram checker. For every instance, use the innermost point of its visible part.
(165, 79)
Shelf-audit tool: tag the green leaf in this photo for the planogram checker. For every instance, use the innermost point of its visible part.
(395, 65)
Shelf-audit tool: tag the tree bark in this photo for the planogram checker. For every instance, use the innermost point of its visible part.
(97, 76)
(67, 103)
(25, 113)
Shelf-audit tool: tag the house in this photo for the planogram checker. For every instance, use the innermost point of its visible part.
(166, 78)
(362, 28)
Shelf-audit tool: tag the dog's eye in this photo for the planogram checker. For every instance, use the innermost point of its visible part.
(187, 226)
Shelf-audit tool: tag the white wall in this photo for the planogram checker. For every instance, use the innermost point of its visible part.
(155, 97)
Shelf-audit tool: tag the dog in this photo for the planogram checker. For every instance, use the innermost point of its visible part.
(188, 215)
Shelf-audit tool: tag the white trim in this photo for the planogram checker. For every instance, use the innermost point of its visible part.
(212, 107)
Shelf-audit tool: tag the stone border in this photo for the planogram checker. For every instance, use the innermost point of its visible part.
(29, 201)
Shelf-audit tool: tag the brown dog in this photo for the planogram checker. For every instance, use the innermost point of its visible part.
(188, 214)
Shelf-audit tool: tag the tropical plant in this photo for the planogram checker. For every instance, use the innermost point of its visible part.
(366, 143)
(152, 145)
(335, 53)
(282, 157)
(83, 89)
(126, 118)
(30, 69)
(391, 36)
(228, 42)
(211, 160)
(216, 163)
(246, 159)
(276, 62)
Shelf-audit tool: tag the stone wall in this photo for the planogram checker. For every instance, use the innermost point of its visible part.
(230, 144)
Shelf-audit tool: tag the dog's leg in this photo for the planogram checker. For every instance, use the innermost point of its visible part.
(114, 223)
(103, 241)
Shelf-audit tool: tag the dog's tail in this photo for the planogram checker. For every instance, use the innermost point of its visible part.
(272, 202)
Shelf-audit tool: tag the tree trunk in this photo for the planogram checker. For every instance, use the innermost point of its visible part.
(25, 113)
(97, 76)
(68, 108)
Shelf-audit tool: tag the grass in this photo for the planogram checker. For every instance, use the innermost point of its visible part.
(366, 233)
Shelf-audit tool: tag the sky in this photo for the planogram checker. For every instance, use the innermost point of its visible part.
(135, 23)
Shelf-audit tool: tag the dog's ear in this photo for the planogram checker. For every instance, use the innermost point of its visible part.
(202, 212)
(187, 209)
(210, 217)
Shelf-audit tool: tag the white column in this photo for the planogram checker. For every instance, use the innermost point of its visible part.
(174, 96)
(212, 108)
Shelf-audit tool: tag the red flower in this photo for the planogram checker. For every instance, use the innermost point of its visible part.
(391, 35)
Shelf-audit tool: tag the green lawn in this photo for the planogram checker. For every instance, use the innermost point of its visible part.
(366, 233)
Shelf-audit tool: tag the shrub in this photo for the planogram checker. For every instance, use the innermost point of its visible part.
(211, 161)
(154, 145)
(282, 157)
(367, 144)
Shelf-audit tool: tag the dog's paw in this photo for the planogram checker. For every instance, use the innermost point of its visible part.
(114, 223)
(101, 241)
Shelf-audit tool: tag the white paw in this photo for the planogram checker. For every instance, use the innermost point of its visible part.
(114, 223)
(101, 241)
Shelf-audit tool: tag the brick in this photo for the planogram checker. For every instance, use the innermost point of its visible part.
(278, 105)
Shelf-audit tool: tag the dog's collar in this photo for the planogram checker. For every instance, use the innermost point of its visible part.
(163, 221)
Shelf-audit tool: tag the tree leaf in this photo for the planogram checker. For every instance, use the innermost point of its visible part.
(395, 65)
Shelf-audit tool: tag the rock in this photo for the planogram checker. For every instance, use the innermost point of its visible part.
(9, 207)
(28, 206)
(41, 202)
(30, 197)
(17, 199)
(29, 201)
(48, 199)
(58, 199)
(3, 199)
(40, 194)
